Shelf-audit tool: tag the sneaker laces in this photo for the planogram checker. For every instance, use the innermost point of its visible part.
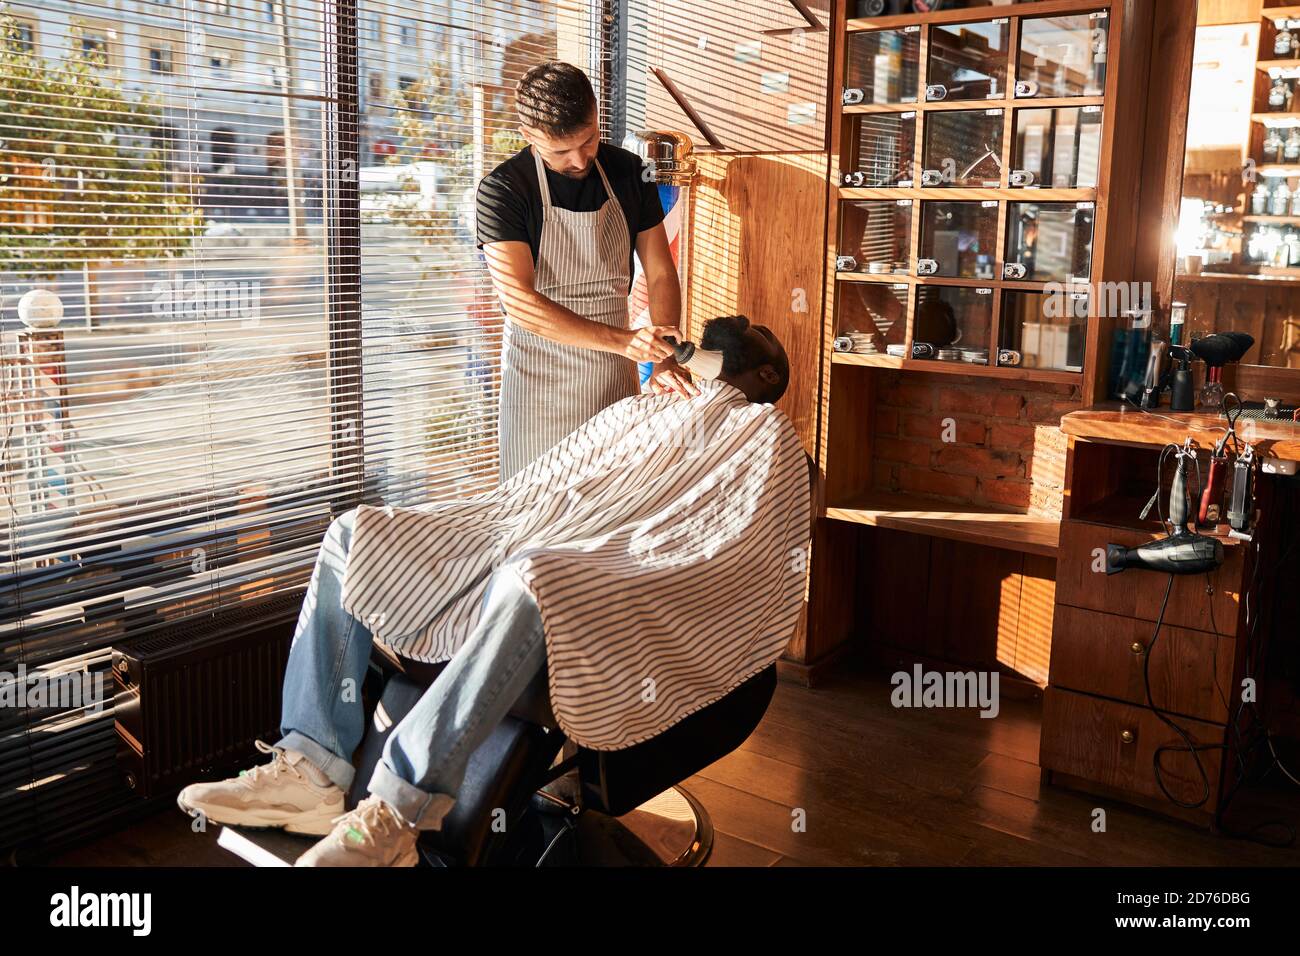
(279, 762)
(371, 814)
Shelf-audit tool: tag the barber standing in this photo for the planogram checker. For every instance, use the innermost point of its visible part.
(558, 223)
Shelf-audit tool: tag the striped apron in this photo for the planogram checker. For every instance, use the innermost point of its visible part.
(547, 388)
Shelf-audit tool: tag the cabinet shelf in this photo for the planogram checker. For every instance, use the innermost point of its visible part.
(956, 522)
(957, 193)
(1291, 12)
(867, 359)
(996, 103)
(878, 360)
(1027, 8)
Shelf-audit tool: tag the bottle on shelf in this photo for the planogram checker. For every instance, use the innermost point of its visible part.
(888, 68)
(1282, 42)
(1259, 201)
(1273, 145)
(1281, 201)
(1279, 95)
(1291, 151)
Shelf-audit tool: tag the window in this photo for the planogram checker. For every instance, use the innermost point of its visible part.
(160, 60)
(224, 146)
(375, 86)
(371, 28)
(219, 66)
(210, 399)
(94, 47)
(22, 36)
(409, 34)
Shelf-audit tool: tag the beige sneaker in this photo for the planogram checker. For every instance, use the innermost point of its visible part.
(288, 792)
(371, 835)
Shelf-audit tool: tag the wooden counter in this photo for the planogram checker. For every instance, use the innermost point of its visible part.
(1124, 425)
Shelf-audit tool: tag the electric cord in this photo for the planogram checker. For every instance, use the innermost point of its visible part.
(1190, 746)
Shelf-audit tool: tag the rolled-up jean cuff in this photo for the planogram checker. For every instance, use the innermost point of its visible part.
(423, 810)
(340, 771)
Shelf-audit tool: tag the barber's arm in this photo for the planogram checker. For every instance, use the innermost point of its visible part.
(511, 266)
(665, 294)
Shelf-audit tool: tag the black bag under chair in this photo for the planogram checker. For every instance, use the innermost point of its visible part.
(520, 805)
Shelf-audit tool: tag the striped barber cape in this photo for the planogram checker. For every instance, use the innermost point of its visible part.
(665, 543)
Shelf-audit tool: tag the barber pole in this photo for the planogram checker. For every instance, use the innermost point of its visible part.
(670, 154)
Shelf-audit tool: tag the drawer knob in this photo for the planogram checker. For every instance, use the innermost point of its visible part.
(1127, 736)
(1138, 647)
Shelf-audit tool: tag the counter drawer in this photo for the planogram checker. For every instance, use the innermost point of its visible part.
(1191, 671)
(1137, 593)
(1113, 744)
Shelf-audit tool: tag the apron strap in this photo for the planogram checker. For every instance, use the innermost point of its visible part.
(541, 178)
(545, 186)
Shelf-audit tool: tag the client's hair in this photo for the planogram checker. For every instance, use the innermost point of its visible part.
(743, 353)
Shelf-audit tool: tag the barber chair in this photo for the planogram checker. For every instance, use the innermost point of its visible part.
(533, 798)
(530, 800)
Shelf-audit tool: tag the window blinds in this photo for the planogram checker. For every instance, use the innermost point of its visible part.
(239, 293)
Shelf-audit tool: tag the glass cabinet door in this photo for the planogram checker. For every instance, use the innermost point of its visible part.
(967, 61)
(1062, 56)
(958, 239)
(872, 315)
(874, 236)
(1043, 331)
(884, 147)
(952, 323)
(1057, 149)
(962, 148)
(882, 66)
(1048, 242)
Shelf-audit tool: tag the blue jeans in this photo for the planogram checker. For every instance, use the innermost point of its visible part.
(425, 757)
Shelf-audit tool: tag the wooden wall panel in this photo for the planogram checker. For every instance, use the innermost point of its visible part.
(758, 226)
(705, 51)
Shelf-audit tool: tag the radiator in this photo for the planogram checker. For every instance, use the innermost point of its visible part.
(192, 697)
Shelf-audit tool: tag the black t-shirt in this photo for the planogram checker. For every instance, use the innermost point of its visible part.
(509, 206)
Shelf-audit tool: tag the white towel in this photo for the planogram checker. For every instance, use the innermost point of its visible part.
(665, 541)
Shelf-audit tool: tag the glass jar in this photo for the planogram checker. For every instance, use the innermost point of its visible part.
(1273, 145)
(1282, 43)
(1259, 201)
(1278, 95)
(1291, 152)
(1281, 200)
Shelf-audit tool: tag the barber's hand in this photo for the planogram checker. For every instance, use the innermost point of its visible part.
(668, 376)
(647, 344)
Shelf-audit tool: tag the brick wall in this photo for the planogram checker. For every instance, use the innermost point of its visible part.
(987, 441)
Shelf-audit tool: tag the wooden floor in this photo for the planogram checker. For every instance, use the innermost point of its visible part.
(876, 786)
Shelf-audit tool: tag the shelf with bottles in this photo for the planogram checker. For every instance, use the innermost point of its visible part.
(954, 65)
(1272, 198)
(1278, 148)
(1029, 241)
(871, 322)
(989, 132)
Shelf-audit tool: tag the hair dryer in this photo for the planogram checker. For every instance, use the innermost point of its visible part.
(1182, 553)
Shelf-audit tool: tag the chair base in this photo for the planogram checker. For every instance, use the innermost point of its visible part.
(672, 829)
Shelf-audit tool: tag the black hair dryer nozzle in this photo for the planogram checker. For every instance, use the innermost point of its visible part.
(1184, 553)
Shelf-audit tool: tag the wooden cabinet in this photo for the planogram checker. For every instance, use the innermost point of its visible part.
(1116, 683)
(1113, 745)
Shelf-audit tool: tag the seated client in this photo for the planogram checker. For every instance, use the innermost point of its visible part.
(659, 545)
